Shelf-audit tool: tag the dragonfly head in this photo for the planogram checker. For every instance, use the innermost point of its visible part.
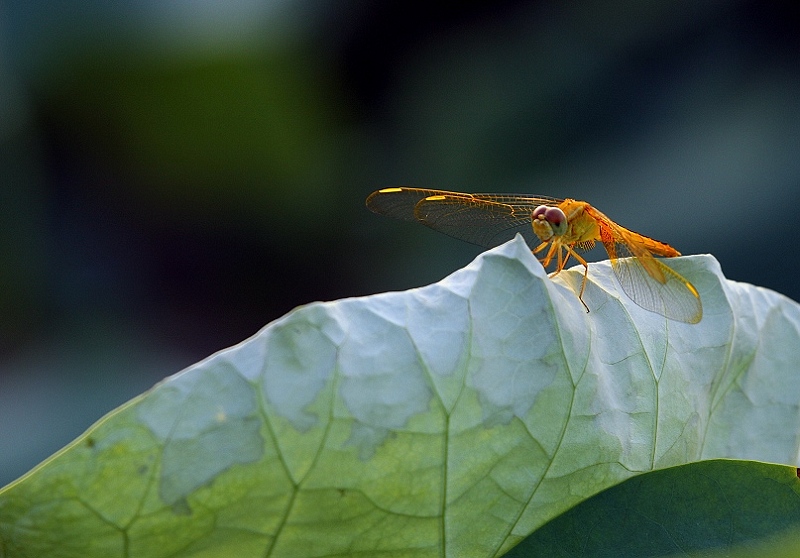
(548, 222)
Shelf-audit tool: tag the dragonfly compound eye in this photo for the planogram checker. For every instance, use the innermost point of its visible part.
(557, 220)
(554, 215)
(539, 212)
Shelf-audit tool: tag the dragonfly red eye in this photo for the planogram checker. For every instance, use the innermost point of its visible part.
(554, 216)
(541, 210)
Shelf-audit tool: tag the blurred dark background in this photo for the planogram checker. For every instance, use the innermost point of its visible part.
(175, 175)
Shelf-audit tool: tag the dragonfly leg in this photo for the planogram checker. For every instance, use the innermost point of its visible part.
(562, 261)
(557, 249)
(550, 253)
(572, 252)
(539, 248)
(544, 260)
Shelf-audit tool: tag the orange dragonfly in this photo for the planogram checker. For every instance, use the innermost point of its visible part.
(566, 226)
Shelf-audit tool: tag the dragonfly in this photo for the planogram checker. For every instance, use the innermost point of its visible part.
(558, 229)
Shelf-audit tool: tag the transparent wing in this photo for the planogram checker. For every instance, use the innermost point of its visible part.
(653, 285)
(648, 282)
(483, 219)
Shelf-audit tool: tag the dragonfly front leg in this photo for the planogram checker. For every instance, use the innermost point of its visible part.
(556, 249)
(560, 260)
(538, 249)
(545, 261)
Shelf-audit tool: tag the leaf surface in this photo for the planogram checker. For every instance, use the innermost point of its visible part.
(450, 420)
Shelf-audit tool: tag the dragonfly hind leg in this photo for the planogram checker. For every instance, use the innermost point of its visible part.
(583, 262)
(561, 262)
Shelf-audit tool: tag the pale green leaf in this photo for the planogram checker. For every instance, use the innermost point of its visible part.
(451, 420)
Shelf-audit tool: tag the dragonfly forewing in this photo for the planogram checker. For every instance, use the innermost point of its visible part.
(486, 220)
(482, 222)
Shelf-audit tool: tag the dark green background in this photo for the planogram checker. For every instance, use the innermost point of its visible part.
(174, 175)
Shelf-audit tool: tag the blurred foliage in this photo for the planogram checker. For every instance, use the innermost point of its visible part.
(248, 135)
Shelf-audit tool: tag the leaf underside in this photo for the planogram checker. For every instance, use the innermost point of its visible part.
(450, 420)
